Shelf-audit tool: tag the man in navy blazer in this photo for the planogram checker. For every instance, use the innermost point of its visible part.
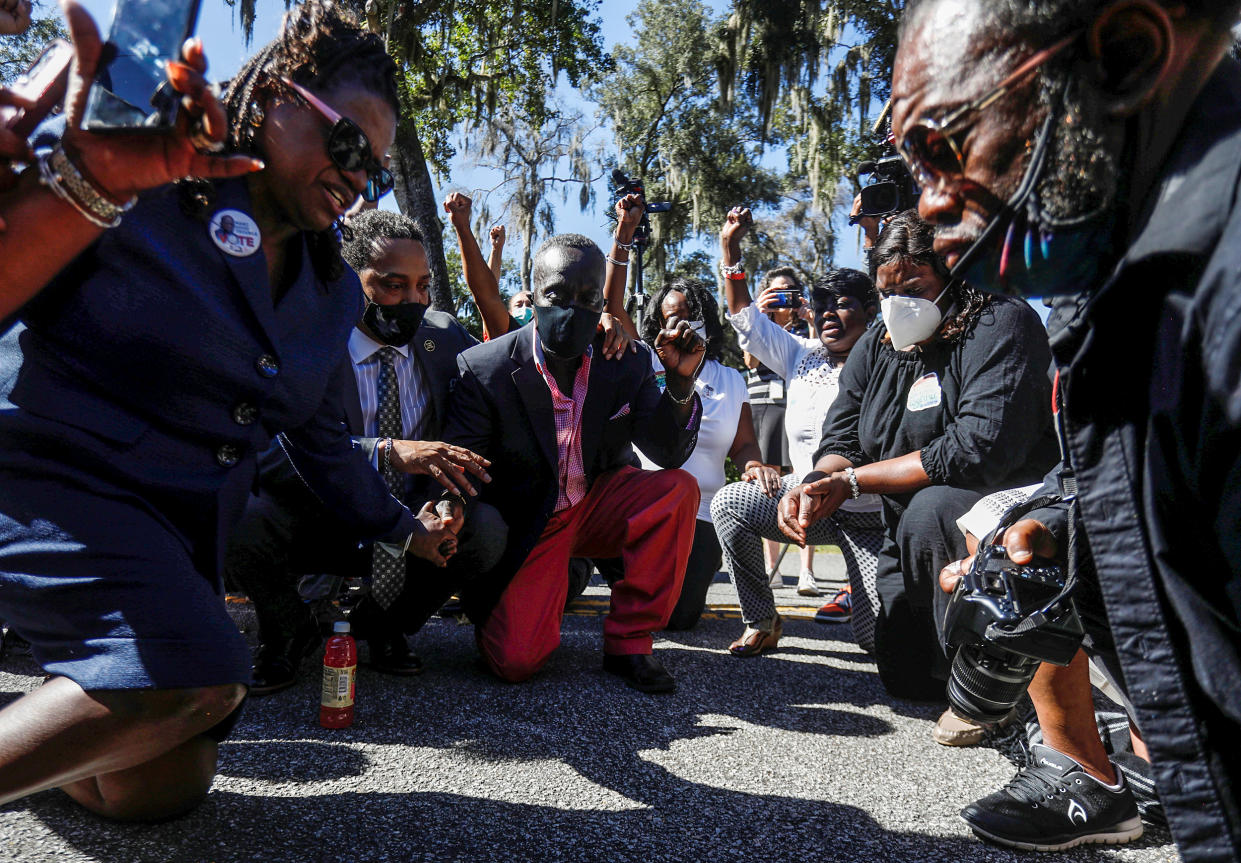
(288, 532)
(557, 424)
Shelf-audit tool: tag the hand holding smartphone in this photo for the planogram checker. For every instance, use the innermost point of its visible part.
(44, 84)
(131, 91)
(786, 300)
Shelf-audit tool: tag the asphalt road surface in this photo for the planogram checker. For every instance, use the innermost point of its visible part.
(796, 755)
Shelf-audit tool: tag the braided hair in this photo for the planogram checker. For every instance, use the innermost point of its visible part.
(320, 46)
(702, 307)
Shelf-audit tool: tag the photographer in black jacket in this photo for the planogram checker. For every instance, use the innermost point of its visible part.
(1094, 148)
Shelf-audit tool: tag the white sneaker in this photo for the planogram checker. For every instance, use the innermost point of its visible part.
(776, 580)
(806, 585)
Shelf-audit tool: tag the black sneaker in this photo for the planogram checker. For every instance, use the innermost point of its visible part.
(1054, 804)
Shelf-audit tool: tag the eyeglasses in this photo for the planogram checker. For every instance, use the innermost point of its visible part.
(348, 147)
(929, 147)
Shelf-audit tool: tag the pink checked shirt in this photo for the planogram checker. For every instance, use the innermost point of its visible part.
(568, 413)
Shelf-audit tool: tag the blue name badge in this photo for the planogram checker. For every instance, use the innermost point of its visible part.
(925, 393)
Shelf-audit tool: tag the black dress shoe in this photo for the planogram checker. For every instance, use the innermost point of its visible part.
(642, 671)
(390, 654)
(276, 664)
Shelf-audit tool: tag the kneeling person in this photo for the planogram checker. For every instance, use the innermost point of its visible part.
(558, 425)
(391, 391)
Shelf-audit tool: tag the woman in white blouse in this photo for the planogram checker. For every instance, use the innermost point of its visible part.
(726, 430)
(844, 304)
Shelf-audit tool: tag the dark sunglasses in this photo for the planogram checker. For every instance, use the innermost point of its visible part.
(348, 147)
(930, 148)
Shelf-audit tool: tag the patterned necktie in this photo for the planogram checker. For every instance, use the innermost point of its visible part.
(387, 571)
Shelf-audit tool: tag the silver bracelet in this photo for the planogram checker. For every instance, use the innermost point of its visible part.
(614, 262)
(58, 173)
(732, 269)
(856, 492)
(387, 442)
(628, 247)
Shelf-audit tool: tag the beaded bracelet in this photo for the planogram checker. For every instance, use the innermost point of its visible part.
(628, 247)
(614, 262)
(735, 277)
(732, 269)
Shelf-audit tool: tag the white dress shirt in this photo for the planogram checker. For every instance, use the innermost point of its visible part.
(412, 387)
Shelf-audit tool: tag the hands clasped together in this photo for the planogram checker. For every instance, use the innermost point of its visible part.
(450, 466)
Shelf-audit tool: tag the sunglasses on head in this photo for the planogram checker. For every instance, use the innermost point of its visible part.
(930, 148)
(348, 147)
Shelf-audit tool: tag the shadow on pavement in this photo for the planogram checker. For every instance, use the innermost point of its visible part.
(313, 794)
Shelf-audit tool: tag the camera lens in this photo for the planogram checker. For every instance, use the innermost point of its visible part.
(880, 199)
(986, 683)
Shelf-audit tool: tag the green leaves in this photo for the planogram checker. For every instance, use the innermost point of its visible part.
(18, 52)
(467, 61)
(674, 131)
(815, 70)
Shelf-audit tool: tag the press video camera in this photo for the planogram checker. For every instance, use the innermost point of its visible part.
(641, 235)
(1006, 619)
(626, 186)
(891, 189)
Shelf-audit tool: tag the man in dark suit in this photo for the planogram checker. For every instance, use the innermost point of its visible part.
(287, 532)
(557, 424)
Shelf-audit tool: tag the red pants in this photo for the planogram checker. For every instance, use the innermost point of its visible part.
(644, 517)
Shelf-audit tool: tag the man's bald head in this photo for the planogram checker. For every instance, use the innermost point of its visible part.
(568, 270)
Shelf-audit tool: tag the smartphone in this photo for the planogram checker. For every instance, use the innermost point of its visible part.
(131, 91)
(44, 83)
(786, 300)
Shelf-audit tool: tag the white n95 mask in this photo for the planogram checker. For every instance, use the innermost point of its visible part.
(911, 319)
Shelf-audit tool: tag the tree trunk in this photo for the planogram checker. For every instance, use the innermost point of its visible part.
(527, 255)
(416, 197)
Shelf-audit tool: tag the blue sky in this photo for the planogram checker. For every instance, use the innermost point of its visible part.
(220, 29)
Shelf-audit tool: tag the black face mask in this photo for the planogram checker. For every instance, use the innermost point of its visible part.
(394, 325)
(566, 333)
(1038, 257)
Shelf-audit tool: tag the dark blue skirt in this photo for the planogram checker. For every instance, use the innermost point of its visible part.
(106, 587)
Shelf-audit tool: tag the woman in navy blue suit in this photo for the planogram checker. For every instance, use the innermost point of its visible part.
(162, 354)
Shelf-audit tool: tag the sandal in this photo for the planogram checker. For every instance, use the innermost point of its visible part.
(755, 641)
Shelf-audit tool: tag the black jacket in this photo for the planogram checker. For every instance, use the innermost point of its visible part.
(991, 426)
(502, 409)
(1150, 378)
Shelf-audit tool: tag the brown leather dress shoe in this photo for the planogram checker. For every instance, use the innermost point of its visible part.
(755, 641)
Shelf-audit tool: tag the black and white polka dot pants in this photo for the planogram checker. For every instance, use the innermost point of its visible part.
(744, 517)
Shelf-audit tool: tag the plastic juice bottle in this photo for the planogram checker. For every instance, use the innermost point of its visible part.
(340, 672)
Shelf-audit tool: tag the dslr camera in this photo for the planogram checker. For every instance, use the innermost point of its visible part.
(1004, 619)
(891, 189)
